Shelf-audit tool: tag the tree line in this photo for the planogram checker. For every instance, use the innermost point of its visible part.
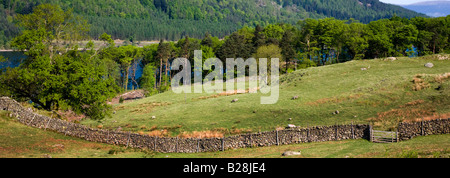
(58, 75)
(174, 19)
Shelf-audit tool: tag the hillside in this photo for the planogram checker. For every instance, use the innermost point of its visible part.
(173, 19)
(431, 8)
(384, 94)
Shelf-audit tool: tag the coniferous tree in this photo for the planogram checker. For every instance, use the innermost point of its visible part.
(207, 41)
(287, 48)
(163, 54)
(259, 38)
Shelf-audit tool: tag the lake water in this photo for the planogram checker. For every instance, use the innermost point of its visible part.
(14, 59)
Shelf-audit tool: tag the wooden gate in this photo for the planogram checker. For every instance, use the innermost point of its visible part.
(377, 136)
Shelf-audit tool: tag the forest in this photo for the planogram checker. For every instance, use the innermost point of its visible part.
(59, 75)
(174, 19)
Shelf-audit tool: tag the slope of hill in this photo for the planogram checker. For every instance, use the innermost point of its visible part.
(431, 8)
(383, 94)
(20, 141)
(173, 19)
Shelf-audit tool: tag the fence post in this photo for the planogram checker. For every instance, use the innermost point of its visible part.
(223, 143)
(49, 119)
(370, 133)
(353, 134)
(396, 136)
(128, 141)
(107, 136)
(278, 142)
(421, 127)
(156, 140)
(176, 147)
(34, 115)
(307, 134)
(336, 132)
(198, 144)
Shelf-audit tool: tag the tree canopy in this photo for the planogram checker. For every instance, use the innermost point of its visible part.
(53, 78)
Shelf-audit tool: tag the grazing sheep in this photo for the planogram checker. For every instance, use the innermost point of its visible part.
(235, 100)
(295, 97)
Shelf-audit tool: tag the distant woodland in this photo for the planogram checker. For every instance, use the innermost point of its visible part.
(174, 19)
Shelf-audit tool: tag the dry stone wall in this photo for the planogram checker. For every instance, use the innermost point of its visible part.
(192, 145)
(408, 130)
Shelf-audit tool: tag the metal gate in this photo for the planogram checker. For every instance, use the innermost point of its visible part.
(377, 136)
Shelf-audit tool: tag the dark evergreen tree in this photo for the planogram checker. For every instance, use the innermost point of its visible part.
(287, 48)
(259, 38)
(207, 41)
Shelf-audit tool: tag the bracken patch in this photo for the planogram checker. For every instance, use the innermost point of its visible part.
(419, 83)
(407, 112)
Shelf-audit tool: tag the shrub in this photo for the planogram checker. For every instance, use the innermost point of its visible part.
(306, 64)
(115, 151)
(409, 154)
(148, 80)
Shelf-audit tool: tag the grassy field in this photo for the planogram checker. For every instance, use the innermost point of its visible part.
(383, 95)
(20, 141)
(386, 93)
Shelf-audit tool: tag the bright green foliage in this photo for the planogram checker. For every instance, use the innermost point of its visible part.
(36, 42)
(433, 34)
(380, 43)
(55, 80)
(356, 40)
(63, 25)
(328, 41)
(107, 39)
(274, 32)
(316, 39)
(207, 52)
(306, 63)
(148, 80)
(307, 39)
(269, 52)
(390, 37)
(73, 81)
